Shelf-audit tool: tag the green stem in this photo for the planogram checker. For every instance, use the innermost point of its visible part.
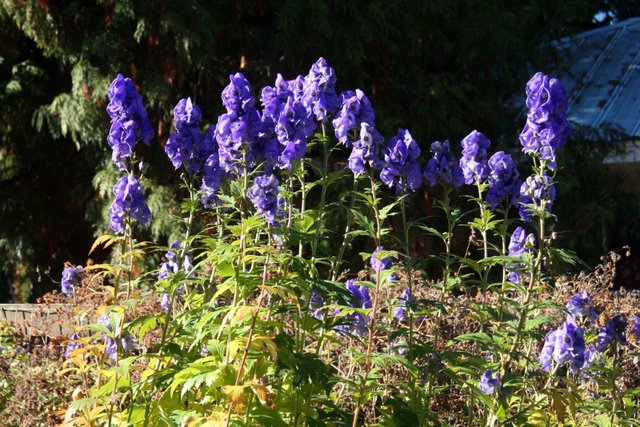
(374, 310)
(323, 194)
(335, 267)
(303, 200)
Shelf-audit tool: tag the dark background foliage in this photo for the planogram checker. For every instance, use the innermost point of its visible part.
(439, 68)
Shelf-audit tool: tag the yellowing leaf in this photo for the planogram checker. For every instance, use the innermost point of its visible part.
(243, 312)
(235, 393)
(261, 391)
(262, 341)
(105, 241)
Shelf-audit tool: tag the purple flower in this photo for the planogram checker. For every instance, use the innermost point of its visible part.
(535, 192)
(365, 150)
(292, 129)
(187, 147)
(519, 244)
(443, 168)
(237, 131)
(72, 344)
(401, 169)
(489, 382)
(264, 195)
(504, 181)
(405, 303)
(546, 355)
(547, 126)
(635, 330)
(564, 345)
(237, 97)
(70, 276)
(111, 348)
(355, 110)
(170, 267)
(613, 331)
(357, 324)
(274, 98)
(186, 113)
(315, 305)
(319, 97)
(165, 301)
(122, 138)
(474, 157)
(212, 172)
(580, 305)
(128, 203)
(380, 263)
(128, 119)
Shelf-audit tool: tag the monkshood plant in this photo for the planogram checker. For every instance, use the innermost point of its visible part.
(256, 317)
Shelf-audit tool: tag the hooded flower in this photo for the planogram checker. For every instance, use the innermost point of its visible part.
(520, 243)
(70, 276)
(564, 345)
(316, 303)
(405, 303)
(489, 382)
(504, 181)
(355, 110)
(128, 203)
(635, 329)
(360, 299)
(365, 150)
(264, 195)
(319, 96)
(547, 126)
(187, 147)
(129, 120)
(401, 169)
(237, 131)
(292, 129)
(443, 168)
(535, 192)
(580, 305)
(474, 157)
(72, 344)
(613, 331)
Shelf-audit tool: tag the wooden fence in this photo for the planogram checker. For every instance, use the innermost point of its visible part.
(35, 319)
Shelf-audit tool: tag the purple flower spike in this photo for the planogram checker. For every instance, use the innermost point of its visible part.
(547, 126)
(401, 169)
(365, 150)
(129, 120)
(443, 168)
(520, 243)
(580, 305)
(237, 131)
(292, 129)
(319, 96)
(187, 147)
(504, 181)
(613, 331)
(489, 382)
(128, 203)
(536, 191)
(70, 276)
(264, 195)
(356, 109)
(474, 157)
